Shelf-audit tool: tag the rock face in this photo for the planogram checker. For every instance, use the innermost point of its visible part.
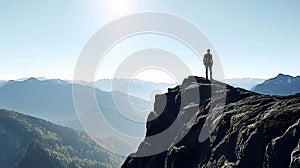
(247, 130)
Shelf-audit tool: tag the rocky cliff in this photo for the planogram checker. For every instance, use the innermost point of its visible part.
(210, 124)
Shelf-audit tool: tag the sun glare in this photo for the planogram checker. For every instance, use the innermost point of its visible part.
(117, 7)
(155, 75)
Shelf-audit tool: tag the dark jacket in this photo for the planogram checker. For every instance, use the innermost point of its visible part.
(207, 60)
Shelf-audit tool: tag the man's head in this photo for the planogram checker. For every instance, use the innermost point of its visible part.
(208, 51)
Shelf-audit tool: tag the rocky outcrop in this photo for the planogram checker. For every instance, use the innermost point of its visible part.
(216, 125)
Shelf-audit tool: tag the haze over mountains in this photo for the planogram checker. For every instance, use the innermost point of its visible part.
(134, 87)
(52, 100)
(245, 83)
(147, 89)
(2, 82)
(251, 126)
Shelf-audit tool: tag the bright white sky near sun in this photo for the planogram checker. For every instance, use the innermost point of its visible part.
(252, 38)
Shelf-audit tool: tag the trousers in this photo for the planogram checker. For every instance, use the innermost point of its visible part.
(208, 67)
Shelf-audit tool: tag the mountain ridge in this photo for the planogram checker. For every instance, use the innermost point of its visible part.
(53, 99)
(250, 131)
(28, 142)
(282, 85)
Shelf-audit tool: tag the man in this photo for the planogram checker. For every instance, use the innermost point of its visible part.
(208, 62)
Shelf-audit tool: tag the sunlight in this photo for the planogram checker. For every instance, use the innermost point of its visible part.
(117, 7)
(155, 75)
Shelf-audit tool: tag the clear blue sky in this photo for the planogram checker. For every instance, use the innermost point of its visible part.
(252, 38)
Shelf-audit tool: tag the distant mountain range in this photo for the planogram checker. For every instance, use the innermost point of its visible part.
(52, 100)
(134, 87)
(28, 142)
(280, 85)
(245, 83)
(251, 130)
(2, 82)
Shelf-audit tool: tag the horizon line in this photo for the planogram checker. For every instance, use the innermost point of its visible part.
(64, 79)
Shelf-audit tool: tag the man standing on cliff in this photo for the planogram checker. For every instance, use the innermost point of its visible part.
(208, 62)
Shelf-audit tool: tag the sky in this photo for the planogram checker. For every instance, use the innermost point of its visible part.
(257, 39)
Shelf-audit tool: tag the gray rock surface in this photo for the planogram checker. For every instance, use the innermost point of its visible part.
(249, 130)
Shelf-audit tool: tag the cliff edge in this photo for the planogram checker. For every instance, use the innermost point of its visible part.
(205, 123)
